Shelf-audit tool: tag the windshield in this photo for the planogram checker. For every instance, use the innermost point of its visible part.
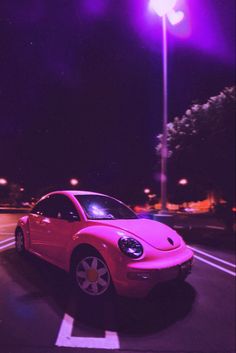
(103, 207)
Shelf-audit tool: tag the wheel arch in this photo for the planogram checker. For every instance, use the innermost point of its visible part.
(82, 249)
(90, 250)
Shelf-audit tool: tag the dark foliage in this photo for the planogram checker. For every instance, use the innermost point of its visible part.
(202, 149)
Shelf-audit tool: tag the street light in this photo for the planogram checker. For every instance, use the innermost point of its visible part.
(3, 181)
(74, 182)
(183, 181)
(165, 9)
(146, 191)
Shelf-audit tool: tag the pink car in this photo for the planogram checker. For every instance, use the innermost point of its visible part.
(103, 244)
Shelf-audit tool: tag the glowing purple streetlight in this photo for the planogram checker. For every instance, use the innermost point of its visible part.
(162, 7)
(165, 9)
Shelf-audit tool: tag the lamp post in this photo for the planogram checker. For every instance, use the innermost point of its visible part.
(165, 9)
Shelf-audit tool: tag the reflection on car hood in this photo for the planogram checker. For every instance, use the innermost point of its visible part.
(156, 234)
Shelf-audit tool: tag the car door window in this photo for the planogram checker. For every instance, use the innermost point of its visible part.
(56, 206)
(51, 207)
(65, 208)
(44, 208)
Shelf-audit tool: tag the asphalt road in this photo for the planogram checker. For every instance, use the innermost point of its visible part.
(40, 312)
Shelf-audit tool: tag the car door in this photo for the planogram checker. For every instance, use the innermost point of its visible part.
(62, 224)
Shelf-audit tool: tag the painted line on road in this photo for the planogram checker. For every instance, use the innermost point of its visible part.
(8, 225)
(7, 245)
(6, 233)
(215, 227)
(6, 240)
(212, 257)
(64, 338)
(214, 265)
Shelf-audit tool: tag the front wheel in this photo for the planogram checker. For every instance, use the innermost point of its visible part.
(20, 243)
(92, 275)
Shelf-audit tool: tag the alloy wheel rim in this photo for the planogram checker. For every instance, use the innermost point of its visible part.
(92, 276)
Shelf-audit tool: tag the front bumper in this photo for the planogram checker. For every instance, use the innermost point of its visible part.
(139, 281)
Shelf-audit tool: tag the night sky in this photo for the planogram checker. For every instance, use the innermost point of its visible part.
(81, 87)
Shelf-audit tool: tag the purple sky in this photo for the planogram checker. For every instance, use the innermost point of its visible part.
(81, 86)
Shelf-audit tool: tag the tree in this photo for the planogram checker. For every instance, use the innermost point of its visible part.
(201, 147)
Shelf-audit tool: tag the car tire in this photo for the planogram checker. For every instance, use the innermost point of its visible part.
(91, 275)
(19, 242)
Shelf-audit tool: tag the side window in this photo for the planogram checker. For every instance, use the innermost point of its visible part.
(56, 206)
(40, 208)
(65, 208)
(51, 209)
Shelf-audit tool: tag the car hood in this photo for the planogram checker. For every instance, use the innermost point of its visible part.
(156, 234)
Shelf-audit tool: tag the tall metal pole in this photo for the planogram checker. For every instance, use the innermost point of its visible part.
(164, 150)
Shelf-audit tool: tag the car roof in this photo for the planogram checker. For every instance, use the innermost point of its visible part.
(75, 192)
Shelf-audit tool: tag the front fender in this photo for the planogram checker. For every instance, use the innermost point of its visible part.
(104, 239)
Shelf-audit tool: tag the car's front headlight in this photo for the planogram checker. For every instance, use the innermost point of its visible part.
(130, 247)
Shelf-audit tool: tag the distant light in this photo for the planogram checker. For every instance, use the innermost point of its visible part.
(22, 189)
(74, 182)
(166, 8)
(147, 191)
(152, 196)
(183, 181)
(163, 177)
(3, 181)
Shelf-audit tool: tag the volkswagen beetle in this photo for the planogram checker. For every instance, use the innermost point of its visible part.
(103, 244)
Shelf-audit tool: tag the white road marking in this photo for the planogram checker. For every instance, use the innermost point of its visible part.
(6, 240)
(214, 265)
(215, 227)
(7, 245)
(212, 257)
(6, 233)
(8, 225)
(64, 338)
(207, 226)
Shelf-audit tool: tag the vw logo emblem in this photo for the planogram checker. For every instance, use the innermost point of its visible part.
(170, 241)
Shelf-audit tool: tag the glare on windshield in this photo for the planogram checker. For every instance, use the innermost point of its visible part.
(104, 207)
